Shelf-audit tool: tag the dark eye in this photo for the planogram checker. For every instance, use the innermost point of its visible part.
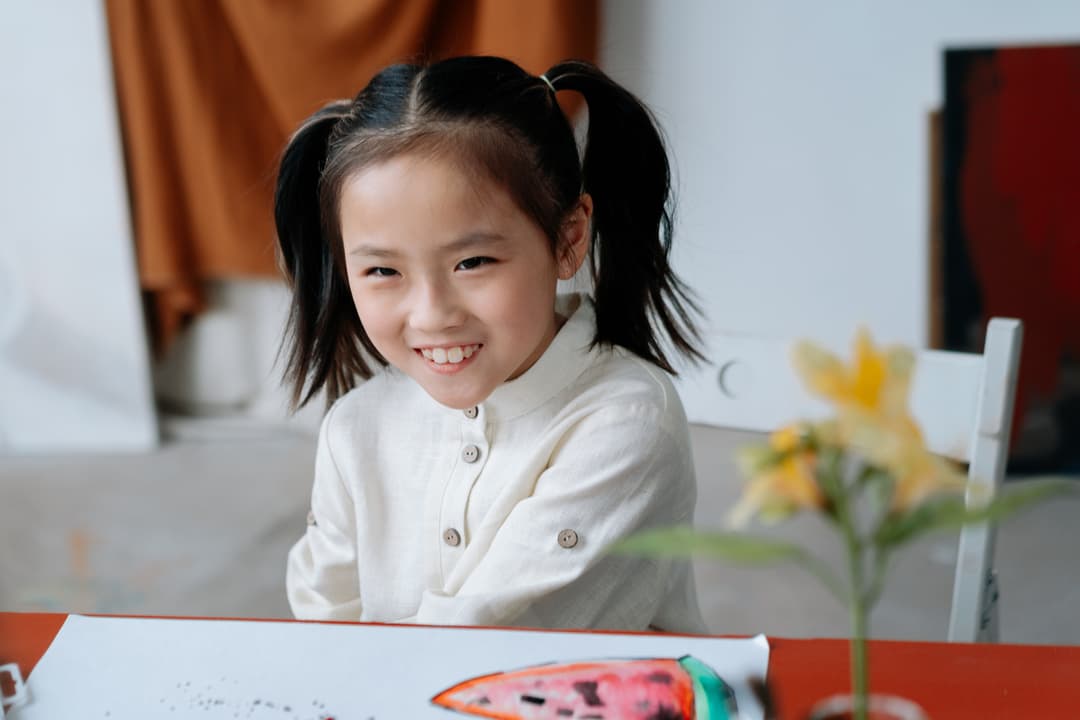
(380, 272)
(474, 262)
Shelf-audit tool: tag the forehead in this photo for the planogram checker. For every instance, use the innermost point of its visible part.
(418, 201)
(417, 179)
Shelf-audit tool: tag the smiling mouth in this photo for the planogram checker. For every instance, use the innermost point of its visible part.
(449, 355)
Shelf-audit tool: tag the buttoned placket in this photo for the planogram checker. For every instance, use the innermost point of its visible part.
(473, 453)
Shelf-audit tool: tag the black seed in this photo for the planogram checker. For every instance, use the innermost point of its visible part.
(564, 712)
(587, 690)
(659, 677)
(666, 713)
(533, 699)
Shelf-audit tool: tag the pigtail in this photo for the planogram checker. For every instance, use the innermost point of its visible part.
(322, 331)
(625, 170)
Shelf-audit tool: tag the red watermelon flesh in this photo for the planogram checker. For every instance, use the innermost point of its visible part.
(654, 689)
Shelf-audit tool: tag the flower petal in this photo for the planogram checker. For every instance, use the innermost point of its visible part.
(868, 372)
(788, 438)
(922, 474)
(780, 490)
(821, 372)
(899, 364)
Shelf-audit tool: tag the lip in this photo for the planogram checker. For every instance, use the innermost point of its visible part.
(447, 368)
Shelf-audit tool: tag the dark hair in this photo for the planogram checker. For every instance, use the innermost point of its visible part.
(495, 120)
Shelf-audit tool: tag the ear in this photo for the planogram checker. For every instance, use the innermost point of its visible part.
(574, 238)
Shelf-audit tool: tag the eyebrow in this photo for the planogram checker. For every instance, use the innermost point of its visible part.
(465, 242)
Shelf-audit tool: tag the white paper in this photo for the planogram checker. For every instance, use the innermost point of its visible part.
(135, 669)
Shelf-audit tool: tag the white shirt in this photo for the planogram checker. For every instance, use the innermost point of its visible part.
(421, 513)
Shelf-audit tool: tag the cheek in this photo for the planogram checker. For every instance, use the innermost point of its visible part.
(374, 318)
(527, 303)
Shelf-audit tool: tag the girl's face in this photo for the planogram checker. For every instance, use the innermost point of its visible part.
(454, 285)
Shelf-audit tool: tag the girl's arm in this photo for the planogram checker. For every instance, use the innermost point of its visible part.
(322, 580)
(616, 472)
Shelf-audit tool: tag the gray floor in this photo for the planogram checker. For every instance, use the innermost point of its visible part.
(202, 527)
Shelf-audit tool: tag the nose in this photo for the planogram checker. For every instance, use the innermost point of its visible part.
(435, 307)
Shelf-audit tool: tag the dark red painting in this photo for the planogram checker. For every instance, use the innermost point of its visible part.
(1011, 203)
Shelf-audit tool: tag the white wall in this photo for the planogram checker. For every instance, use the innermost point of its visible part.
(73, 364)
(799, 135)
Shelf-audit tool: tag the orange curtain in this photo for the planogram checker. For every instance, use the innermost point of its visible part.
(209, 91)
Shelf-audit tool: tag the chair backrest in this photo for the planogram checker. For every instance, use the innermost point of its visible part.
(962, 401)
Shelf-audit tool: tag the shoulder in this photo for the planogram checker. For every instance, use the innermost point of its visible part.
(364, 408)
(622, 383)
(624, 434)
(624, 409)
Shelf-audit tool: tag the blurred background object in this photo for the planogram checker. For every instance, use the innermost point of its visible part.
(1012, 229)
(74, 372)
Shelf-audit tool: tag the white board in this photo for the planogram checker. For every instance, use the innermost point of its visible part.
(74, 371)
(134, 668)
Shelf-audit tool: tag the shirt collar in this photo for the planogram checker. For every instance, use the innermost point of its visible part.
(567, 356)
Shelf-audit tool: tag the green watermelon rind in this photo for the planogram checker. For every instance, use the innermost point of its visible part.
(713, 700)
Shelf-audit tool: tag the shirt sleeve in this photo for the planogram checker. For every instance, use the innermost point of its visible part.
(322, 577)
(615, 472)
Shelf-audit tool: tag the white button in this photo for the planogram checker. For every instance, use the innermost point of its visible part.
(451, 537)
(311, 518)
(472, 412)
(568, 538)
(470, 454)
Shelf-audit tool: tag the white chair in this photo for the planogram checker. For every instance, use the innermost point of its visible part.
(963, 402)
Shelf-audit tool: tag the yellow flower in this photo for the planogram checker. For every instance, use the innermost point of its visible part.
(877, 381)
(873, 419)
(782, 477)
(920, 474)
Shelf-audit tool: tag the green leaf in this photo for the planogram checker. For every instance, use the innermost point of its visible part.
(685, 541)
(951, 512)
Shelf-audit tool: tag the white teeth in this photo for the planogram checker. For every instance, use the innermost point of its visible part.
(453, 355)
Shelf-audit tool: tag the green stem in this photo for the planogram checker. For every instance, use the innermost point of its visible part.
(858, 607)
(881, 561)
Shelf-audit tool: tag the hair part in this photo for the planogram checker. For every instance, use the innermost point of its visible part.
(497, 123)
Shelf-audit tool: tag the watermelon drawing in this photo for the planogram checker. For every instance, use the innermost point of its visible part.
(652, 689)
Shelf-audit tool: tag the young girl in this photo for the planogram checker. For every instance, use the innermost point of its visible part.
(506, 435)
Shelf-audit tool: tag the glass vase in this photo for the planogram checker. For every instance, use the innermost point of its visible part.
(879, 707)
